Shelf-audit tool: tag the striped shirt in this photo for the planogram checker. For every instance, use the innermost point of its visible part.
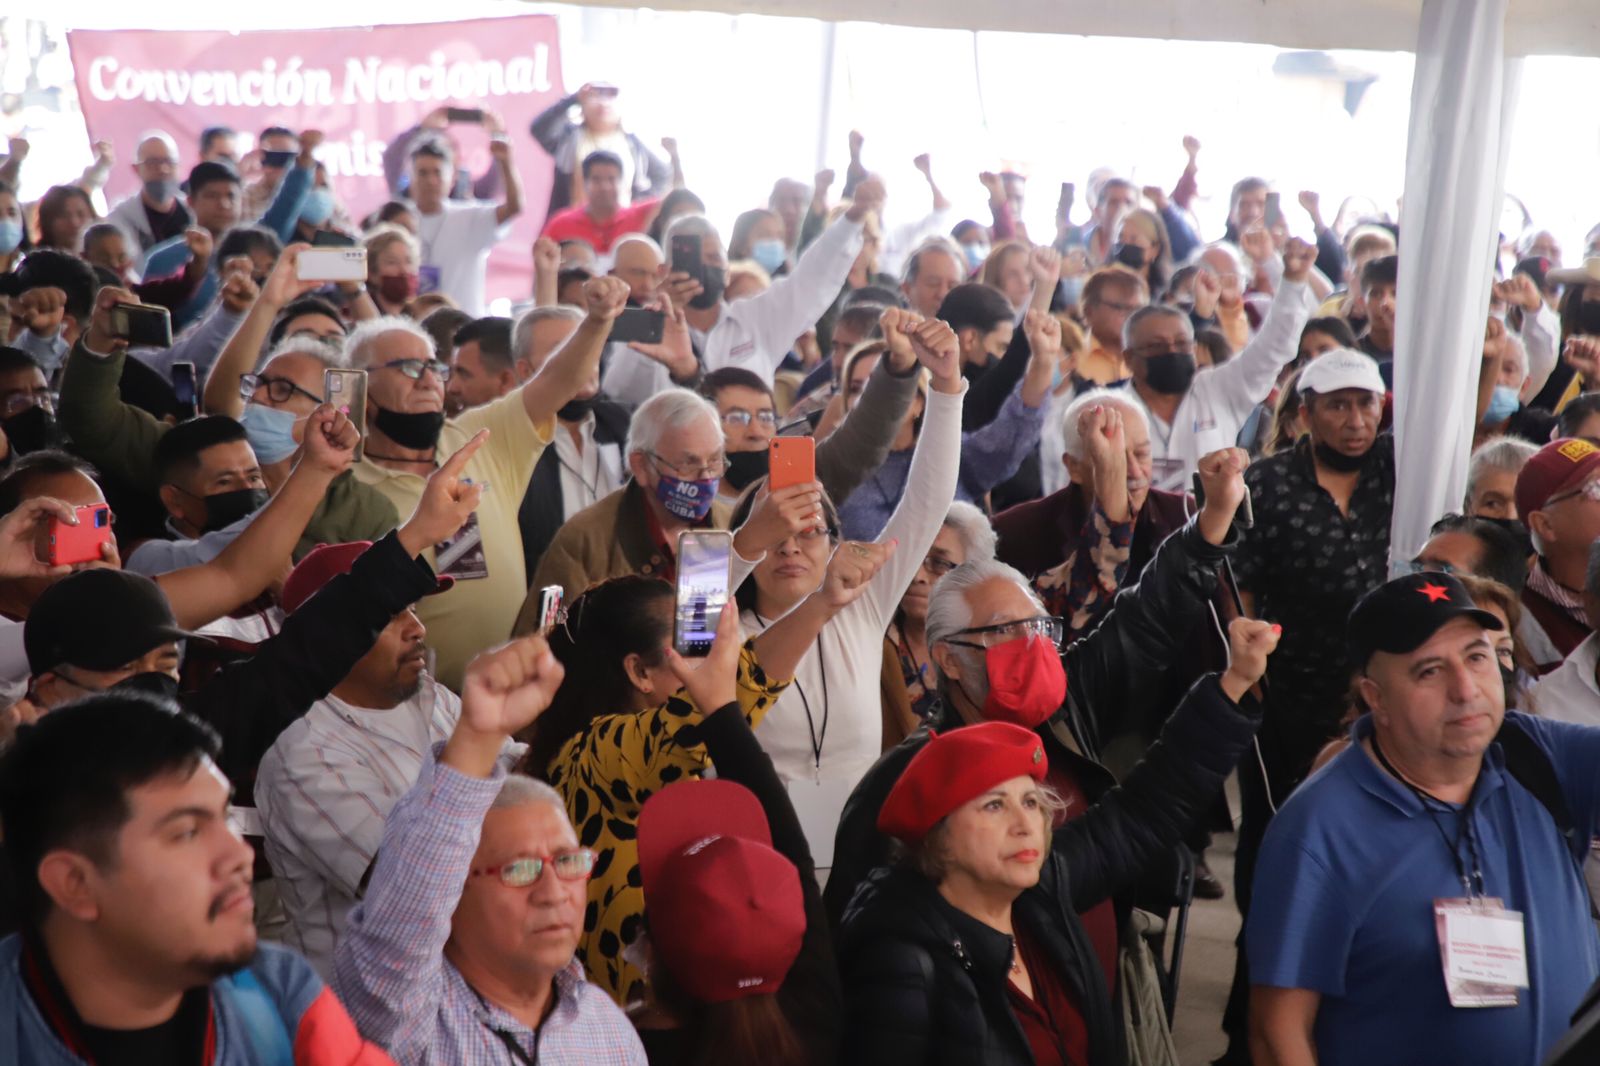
(323, 792)
(390, 970)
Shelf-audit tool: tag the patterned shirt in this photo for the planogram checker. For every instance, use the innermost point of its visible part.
(1307, 565)
(1079, 590)
(323, 792)
(390, 969)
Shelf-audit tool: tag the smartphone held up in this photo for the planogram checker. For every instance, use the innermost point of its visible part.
(705, 558)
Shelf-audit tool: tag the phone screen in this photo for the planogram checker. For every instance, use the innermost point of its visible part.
(702, 591)
(686, 253)
(183, 383)
(347, 391)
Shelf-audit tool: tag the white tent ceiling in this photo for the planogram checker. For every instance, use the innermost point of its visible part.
(1533, 27)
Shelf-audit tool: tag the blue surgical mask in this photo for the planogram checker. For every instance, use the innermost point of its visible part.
(318, 206)
(270, 431)
(770, 253)
(10, 235)
(976, 254)
(688, 500)
(1502, 405)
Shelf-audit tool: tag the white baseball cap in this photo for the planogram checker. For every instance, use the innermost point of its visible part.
(1341, 368)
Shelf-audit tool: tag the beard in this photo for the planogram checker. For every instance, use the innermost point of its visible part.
(214, 967)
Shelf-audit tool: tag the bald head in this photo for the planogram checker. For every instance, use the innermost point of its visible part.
(637, 261)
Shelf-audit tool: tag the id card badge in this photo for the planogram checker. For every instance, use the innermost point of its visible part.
(427, 279)
(462, 557)
(1484, 952)
(819, 805)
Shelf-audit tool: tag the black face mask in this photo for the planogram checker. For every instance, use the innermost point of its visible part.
(745, 467)
(34, 430)
(419, 430)
(1129, 255)
(576, 410)
(223, 509)
(151, 683)
(711, 286)
(1170, 373)
(1338, 461)
(1589, 318)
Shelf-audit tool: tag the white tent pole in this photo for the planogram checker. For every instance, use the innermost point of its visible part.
(830, 48)
(1454, 172)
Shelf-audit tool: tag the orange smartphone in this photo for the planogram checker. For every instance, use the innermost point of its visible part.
(791, 461)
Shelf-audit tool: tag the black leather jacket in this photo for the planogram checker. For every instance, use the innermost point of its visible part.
(925, 984)
(1114, 673)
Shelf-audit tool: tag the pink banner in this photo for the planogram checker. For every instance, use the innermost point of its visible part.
(359, 86)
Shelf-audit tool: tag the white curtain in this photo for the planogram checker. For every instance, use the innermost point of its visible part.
(1461, 102)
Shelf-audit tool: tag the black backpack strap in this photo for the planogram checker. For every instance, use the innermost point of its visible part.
(1527, 762)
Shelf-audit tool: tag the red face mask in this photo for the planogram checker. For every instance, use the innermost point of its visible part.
(398, 288)
(1026, 682)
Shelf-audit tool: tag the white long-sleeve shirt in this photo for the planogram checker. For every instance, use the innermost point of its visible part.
(755, 333)
(837, 681)
(1221, 397)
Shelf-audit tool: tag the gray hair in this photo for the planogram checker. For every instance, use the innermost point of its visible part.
(1514, 343)
(1149, 311)
(636, 238)
(1228, 248)
(522, 333)
(1121, 399)
(362, 343)
(1503, 455)
(384, 234)
(691, 226)
(972, 528)
(949, 611)
(937, 243)
(668, 409)
(520, 790)
(329, 353)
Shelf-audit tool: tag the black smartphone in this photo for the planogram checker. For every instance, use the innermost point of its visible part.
(142, 325)
(686, 256)
(1244, 517)
(278, 160)
(464, 114)
(705, 559)
(183, 386)
(638, 325)
(332, 238)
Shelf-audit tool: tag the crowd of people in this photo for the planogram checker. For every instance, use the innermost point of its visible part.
(306, 765)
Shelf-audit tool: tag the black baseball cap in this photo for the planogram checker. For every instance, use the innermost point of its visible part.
(98, 619)
(1401, 616)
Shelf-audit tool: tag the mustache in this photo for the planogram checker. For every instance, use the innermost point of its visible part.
(226, 897)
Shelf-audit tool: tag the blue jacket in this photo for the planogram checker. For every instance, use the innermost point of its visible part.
(275, 1012)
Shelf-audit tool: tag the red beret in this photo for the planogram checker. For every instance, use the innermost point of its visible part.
(954, 768)
(1560, 466)
(324, 563)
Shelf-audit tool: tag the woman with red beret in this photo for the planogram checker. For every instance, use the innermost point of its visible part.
(970, 950)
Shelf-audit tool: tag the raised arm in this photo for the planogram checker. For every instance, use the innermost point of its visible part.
(860, 445)
(988, 394)
(116, 436)
(203, 344)
(243, 350)
(511, 204)
(546, 272)
(282, 216)
(576, 362)
(1247, 378)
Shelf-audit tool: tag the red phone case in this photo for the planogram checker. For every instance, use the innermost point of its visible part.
(70, 545)
(791, 461)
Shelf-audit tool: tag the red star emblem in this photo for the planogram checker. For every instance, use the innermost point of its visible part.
(1435, 593)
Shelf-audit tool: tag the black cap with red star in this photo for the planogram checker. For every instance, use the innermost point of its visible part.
(1400, 616)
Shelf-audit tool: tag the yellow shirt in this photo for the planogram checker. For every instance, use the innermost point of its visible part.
(1102, 367)
(476, 614)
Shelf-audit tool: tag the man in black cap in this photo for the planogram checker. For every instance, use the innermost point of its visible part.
(1419, 899)
(101, 629)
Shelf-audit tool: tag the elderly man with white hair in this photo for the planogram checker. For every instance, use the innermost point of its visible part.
(408, 434)
(156, 212)
(997, 656)
(756, 333)
(461, 950)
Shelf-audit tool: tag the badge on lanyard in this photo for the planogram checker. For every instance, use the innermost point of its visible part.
(1483, 949)
(462, 557)
(427, 279)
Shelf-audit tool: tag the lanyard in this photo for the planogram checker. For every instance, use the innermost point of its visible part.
(509, 1039)
(817, 739)
(1476, 877)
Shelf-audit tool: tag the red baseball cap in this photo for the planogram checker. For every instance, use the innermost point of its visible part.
(324, 563)
(726, 912)
(1560, 466)
(955, 767)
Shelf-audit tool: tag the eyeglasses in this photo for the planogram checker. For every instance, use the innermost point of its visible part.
(413, 368)
(712, 468)
(1429, 566)
(279, 390)
(938, 565)
(18, 402)
(1050, 629)
(741, 418)
(520, 873)
(1120, 308)
(1590, 489)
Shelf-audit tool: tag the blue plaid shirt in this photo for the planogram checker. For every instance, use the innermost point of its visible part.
(390, 969)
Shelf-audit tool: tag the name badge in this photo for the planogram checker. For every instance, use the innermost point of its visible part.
(427, 279)
(1484, 952)
(462, 556)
